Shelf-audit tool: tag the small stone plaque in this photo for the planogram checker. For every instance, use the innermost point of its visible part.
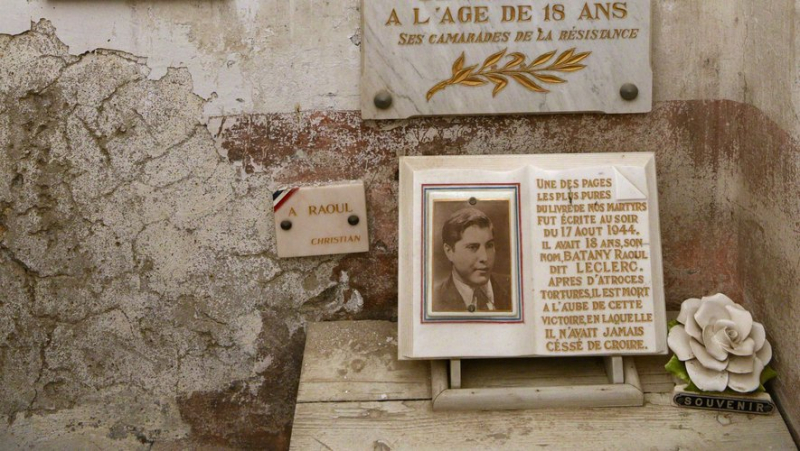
(434, 57)
(321, 220)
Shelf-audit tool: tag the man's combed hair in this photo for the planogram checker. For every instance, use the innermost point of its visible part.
(461, 220)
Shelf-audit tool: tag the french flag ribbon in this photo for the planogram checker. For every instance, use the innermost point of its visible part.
(280, 197)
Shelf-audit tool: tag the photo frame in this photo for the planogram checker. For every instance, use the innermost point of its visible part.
(471, 244)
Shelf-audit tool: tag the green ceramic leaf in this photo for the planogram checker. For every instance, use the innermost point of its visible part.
(767, 374)
(678, 368)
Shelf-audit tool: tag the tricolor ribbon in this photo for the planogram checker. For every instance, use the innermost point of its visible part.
(280, 197)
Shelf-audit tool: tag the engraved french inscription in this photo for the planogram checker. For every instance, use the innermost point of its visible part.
(439, 57)
(317, 220)
(594, 271)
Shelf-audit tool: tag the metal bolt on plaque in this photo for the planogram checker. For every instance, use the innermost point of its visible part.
(629, 91)
(383, 100)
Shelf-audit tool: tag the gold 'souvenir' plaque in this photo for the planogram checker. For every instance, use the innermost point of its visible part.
(453, 57)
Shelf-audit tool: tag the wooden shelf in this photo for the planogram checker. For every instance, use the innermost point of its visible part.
(554, 386)
(355, 394)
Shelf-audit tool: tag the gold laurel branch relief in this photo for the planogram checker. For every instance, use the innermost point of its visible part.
(515, 68)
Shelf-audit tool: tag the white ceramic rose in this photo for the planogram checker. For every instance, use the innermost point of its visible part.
(720, 345)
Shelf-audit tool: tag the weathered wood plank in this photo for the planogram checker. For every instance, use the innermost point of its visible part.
(413, 425)
(357, 361)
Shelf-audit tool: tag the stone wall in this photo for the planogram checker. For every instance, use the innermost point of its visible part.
(142, 302)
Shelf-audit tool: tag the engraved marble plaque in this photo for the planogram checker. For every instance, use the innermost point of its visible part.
(321, 220)
(530, 255)
(455, 57)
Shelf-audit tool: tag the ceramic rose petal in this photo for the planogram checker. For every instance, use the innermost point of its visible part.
(706, 359)
(759, 335)
(747, 347)
(686, 317)
(745, 383)
(742, 318)
(719, 298)
(722, 339)
(693, 329)
(706, 379)
(711, 311)
(765, 353)
(678, 340)
(741, 364)
(688, 309)
(724, 330)
(712, 345)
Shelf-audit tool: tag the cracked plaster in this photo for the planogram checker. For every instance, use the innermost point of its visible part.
(136, 265)
(144, 305)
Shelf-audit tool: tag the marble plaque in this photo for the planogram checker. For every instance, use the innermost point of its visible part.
(321, 220)
(530, 255)
(455, 57)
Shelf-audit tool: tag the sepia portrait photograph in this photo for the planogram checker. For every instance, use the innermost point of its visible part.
(472, 256)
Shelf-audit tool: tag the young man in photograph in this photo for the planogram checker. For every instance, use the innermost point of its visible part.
(471, 286)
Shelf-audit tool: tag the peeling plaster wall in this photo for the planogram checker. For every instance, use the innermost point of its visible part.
(143, 304)
(137, 267)
(270, 56)
(244, 55)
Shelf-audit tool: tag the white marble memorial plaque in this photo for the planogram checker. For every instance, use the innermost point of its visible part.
(321, 220)
(455, 57)
(530, 255)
